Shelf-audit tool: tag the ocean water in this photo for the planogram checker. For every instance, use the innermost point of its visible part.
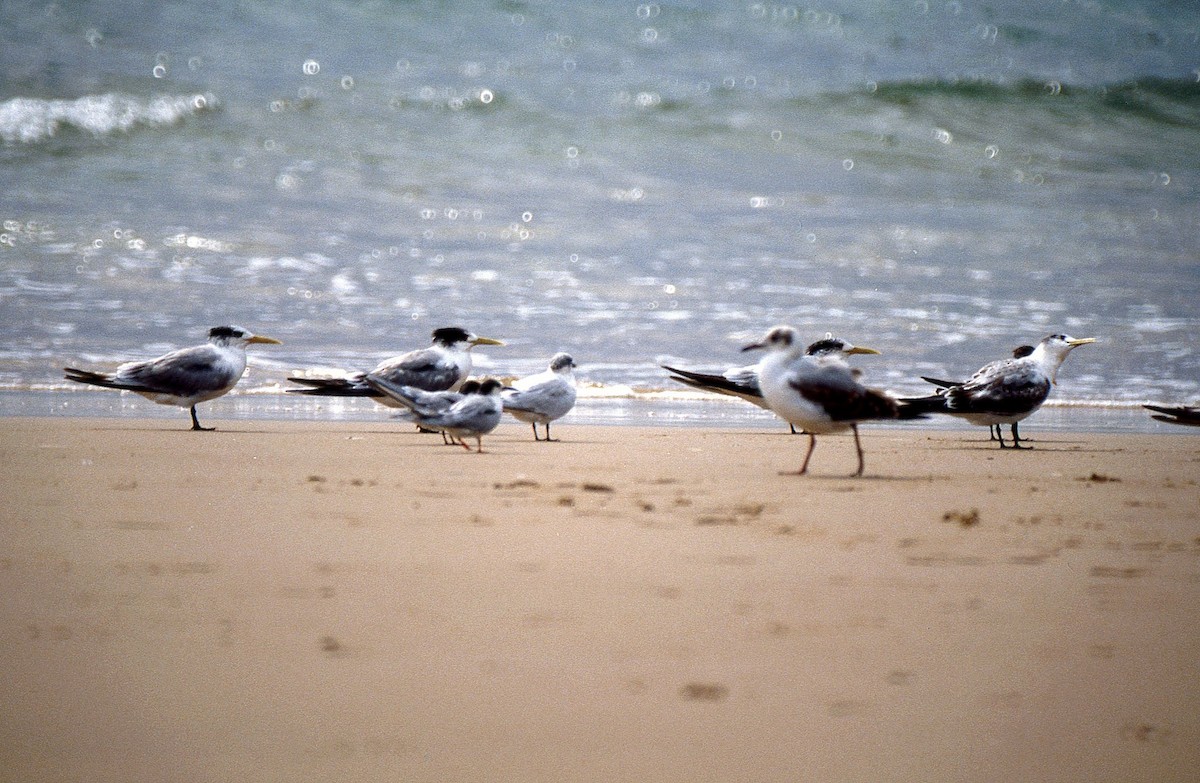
(631, 182)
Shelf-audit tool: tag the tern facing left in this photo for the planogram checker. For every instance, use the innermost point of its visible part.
(742, 382)
(1005, 392)
(820, 394)
(545, 397)
(185, 377)
(475, 415)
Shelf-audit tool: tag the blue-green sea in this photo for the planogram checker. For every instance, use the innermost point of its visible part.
(634, 183)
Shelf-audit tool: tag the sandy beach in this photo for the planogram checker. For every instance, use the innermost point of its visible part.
(283, 601)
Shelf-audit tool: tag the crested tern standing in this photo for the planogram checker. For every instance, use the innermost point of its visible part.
(1019, 352)
(445, 364)
(545, 397)
(186, 377)
(475, 415)
(820, 394)
(1006, 391)
(742, 382)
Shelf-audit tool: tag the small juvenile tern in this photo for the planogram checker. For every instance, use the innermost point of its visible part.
(445, 364)
(1006, 391)
(185, 377)
(425, 400)
(475, 415)
(545, 397)
(819, 393)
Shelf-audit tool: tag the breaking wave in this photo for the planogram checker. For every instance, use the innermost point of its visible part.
(34, 120)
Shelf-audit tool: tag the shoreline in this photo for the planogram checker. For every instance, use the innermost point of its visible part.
(711, 411)
(310, 600)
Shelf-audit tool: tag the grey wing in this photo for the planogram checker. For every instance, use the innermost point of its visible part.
(548, 398)
(1010, 391)
(474, 415)
(184, 372)
(989, 371)
(418, 400)
(426, 369)
(433, 401)
(744, 376)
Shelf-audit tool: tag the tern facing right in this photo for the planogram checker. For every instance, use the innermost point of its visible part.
(445, 364)
(1007, 391)
(186, 377)
(818, 393)
(545, 397)
(1020, 352)
(475, 415)
(428, 401)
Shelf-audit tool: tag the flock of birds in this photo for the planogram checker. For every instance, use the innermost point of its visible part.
(431, 385)
(812, 387)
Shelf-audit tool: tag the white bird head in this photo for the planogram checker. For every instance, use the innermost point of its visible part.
(1053, 350)
(562, 362)
(780, 338)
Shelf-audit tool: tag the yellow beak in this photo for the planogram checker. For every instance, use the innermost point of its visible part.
(258, 338)
(861, 349)
(1081, 341)
(485, 341)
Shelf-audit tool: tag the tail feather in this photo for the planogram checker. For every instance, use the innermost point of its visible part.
(917, 407)
(711, 382)
(907, 411)
(938, 382)
(99, 379)
(334, 387)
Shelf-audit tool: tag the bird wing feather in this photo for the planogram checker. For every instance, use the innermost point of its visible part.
(184, 372)
(424, 368)
(834, 388)
(1010, 392)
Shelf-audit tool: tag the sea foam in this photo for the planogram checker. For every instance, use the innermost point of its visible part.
(33, 120)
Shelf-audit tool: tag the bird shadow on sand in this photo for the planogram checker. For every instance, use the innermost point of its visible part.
(846, 478)
(1030, 445)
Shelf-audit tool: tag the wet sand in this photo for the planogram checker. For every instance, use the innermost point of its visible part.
(355, 602)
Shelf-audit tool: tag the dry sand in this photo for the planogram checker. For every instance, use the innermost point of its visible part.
(355, 602)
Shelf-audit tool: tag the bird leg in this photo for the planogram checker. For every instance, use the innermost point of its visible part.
(1016, 438)
(535, 435)
(548, 438)
(812, 444)
(196, 423)
(858, 448)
